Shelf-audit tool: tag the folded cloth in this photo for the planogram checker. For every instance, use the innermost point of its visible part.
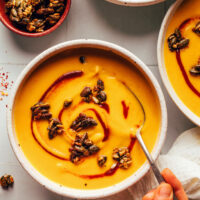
(184, 161)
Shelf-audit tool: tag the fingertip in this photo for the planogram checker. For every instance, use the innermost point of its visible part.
(166, 172)
(170, 178)
(164, 192)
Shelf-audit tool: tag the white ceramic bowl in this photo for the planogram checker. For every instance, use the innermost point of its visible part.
(135, 2)
(160, 56)
(66, 191)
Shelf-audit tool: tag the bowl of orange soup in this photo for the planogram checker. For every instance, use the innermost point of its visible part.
(179, 56)
(72, 118)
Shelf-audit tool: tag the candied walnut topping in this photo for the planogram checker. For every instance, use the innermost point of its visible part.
(83, 122)
(67, 102)
(34, 15)
(6, 181)
(195, 70)
(123, 156)
(176, 41)
(101, 160)
(98, 96)
(100, 86)
(196, 29)
(55, 128)
(40, 111)
(86, 94)
(82, 147)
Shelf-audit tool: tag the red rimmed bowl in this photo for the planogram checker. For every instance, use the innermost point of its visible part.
(6, 21)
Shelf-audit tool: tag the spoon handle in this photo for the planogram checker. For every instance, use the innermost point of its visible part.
(154, 168)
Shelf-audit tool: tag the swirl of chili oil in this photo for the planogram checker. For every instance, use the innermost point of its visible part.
(70, 76)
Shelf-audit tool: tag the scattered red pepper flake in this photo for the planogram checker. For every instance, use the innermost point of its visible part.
(5, 84)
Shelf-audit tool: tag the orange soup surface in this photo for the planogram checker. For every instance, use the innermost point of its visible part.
(75, 118)
(180, 63)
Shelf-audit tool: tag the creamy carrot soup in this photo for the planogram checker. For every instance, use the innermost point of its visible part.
(75, 118)
(182, 53)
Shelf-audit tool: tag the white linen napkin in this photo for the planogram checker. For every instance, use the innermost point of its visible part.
(184, 160)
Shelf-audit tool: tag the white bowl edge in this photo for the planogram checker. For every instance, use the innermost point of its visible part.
(66, 191)
(161, 64)
(135, 2)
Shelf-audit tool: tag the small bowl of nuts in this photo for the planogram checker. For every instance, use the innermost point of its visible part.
(33, 18)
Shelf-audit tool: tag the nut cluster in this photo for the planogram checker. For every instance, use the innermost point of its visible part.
(176, 41)
(55, 128)
(34, 15)
(40, 111)
(97, 95)
(101, 160)
(196, 29)
(83, 122)
(82, 147)
(123, 157)
(6, 181)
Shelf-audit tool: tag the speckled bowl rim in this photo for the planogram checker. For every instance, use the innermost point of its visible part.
(160, 56)
(66, 191)
(135, 2)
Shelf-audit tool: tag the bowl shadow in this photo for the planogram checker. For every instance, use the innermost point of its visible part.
(131, 20)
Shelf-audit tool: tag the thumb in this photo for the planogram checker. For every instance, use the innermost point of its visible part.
(164, 192)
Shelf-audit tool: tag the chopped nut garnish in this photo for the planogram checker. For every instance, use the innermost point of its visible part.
(98, 96)
(101, 96)
(123, 156)
(100, 86)
(176, 41)
(195, 70)
(67, 102)
(55, 128)
(6, 181)
(196, 29)
(82, 122)
(82, 147)
(34, 15)
(86, 94)
(101, 160)
(40, 111)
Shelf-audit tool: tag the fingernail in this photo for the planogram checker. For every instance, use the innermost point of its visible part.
(165, 191)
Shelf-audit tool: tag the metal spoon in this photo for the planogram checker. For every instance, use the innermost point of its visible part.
(154, 167)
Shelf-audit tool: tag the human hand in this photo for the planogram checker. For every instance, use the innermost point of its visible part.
(165, 190)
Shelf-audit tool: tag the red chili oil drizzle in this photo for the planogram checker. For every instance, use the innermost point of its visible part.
(185, 23)
(67, 76)
(187, 80)
(132, 143)
(105, 128)
(125, 109)
(110, 171)
(60, 113)
(61, 158)
(179, 61)
(105, 106)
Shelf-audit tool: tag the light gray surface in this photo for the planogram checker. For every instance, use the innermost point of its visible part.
(133, 28)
